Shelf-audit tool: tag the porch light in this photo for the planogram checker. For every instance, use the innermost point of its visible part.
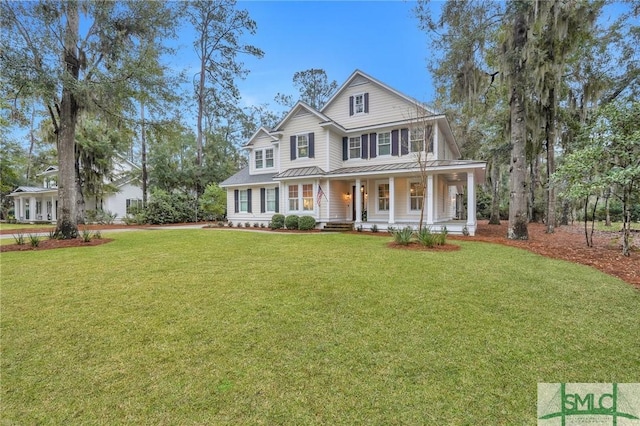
(362, 188)
(347, 196)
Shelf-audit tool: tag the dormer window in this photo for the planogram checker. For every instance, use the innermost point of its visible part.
(359, 104)
(264, 158)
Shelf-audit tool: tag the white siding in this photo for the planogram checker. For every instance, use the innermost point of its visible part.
(303, 124)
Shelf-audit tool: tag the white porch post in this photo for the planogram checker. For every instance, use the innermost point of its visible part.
(392, 200)
(32, 209)
(358, 200)
(430, 199)
(316, 203)
(54, 211)
(471, 199)
(436, 141)
(19, 206)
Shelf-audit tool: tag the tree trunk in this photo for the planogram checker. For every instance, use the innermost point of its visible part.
(494, 219)
(67, 225)
(143, 149)
(626, 224)
(566, 207)
(517, 228)
(551, 165)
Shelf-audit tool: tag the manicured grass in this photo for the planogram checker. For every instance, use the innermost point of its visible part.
(615, 226)
(23, 226)
(225, 327)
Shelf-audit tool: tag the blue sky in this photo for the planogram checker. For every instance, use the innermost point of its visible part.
(380, 38)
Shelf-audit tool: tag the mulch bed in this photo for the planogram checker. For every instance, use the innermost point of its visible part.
(46, 244)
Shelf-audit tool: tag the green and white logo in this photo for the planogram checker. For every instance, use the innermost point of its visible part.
(565, 404)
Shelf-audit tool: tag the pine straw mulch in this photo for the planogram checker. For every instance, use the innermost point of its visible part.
(568, 243)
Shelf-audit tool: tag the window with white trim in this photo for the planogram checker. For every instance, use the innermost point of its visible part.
(243, 201)
(307, 197)
(416, 139)
(263, 158)
(384, 143)
(293, 198)
(383, 197)
(133, 205)
(268, 158)
(358, 104)
(302, 145)
(270, 195)
(416, 195)
(355, 147)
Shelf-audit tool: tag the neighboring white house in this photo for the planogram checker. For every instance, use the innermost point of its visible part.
(40, 204)
(356, 161)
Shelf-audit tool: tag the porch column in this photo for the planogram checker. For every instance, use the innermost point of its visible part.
(471, 199)
(358, 200)
(392, 200)
(32, 209)
(54, 212)
(436, 141)
(430, 200)
(19, 208)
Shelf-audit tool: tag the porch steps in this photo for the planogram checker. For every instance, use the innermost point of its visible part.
(338, 227)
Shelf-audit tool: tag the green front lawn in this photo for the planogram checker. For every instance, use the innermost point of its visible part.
(224, 327)
(23, 226)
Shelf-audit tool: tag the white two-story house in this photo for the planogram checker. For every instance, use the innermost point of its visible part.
(367, 157)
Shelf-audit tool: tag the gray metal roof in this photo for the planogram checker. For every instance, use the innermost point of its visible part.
(401, 166)
(300, 172)
(28, 189)
(244, 178)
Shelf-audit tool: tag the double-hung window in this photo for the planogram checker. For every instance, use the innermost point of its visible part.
(259, 159)
(302, 146)
(270, 195)
(416, 195)
(293, 198)
(268, 158)
(416, 140)
(307, 197)
(384, 143)
(355, 147)
(383, 197)
(243, 200)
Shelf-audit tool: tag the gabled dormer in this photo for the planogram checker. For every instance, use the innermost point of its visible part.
(263, 152)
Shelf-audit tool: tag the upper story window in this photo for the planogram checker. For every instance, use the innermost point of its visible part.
(355, 147)
(302, 146)
(359, 104)
(418, 137)
(384, 143)
(264, 158)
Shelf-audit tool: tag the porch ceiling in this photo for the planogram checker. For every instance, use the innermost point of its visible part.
(451, 169)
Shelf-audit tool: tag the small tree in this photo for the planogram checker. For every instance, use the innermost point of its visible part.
(214, 201)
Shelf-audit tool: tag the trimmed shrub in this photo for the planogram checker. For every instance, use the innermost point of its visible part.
(277, 221)
(306, 223)
(291, 222)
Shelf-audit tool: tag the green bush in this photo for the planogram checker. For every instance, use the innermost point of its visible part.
(426, 237)
(277, 221)
(34, 240)
(306, 223)
(291, 222)
(374, 228)
(213, 203)
(170, 208)
(19, 238)
(403, 236)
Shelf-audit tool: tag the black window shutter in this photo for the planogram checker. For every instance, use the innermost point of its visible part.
(394, 142)
(277, 199)
(345, 148)
(366, 103)
(364, 143)
(236, 201)
(372, 144)
(249, 200)
(263, 193)
(312, 144)
(350, 105)
(293, 147)
(404, 138)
